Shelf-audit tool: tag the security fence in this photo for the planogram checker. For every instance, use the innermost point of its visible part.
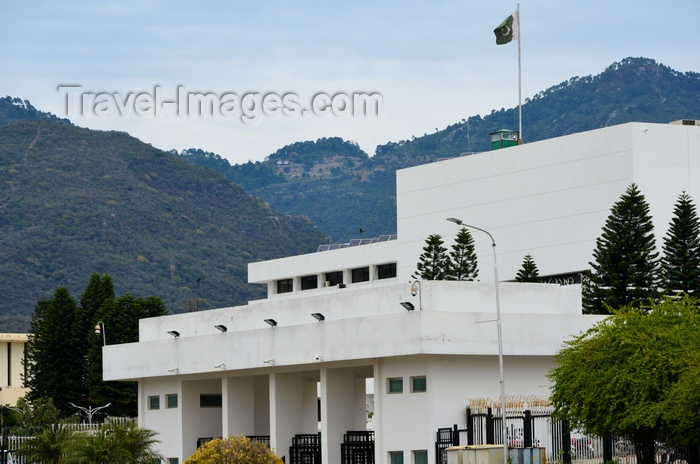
(529, 424)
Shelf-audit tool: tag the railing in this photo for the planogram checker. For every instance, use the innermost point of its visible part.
(357, 447)
(305, 449)
(535, 428)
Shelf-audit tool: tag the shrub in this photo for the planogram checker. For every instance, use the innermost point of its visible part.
(233, 450)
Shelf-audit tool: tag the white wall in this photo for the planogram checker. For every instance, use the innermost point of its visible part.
(167, 422)
(550, 198)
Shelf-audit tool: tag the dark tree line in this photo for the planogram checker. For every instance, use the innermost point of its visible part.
(64, 353)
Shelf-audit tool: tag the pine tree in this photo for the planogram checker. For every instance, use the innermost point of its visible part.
(680, 265)
(433, 263)
(53, 369)
(625, 270)
(463, 264)
(99, 290)
(528, 272)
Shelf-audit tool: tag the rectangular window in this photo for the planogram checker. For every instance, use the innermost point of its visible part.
(395, 385)
(171, 401)
(360, 275)
(309, 282)
(173, 461)
(210, 401)
(420, 457)
(418, 384)
(154, 402)
(395, 457)
(285, 286)
(386, 271)
(334, 278)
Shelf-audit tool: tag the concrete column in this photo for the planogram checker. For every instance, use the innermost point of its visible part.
(339, 405)
(286, 401)
(238, 403)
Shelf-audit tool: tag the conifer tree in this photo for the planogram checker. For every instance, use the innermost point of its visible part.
(53, 369)
(528, 271)
(680, 265)
(463, 264)
(55, 366)
(433, 263)
(625, 270)
(99, 289)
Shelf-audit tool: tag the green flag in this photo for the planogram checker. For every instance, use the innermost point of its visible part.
(507, 30)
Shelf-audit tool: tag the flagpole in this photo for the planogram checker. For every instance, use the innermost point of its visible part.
(520, 91)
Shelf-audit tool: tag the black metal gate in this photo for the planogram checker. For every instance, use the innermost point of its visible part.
(305, 449)
(357, 447)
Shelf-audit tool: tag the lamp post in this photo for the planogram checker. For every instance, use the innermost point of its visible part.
(504, 428)
(100, 329)
(90, 411)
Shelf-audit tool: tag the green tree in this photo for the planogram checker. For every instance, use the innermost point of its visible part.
(34, 416)
(233, 450)
(680, 265)
(634, 374)
(64, 355)
(433, 263)
(625, 270)
(52, 366)
(463, 264)
(528, 271)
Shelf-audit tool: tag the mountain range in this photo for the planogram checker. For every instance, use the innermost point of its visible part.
(345, 191)
(76, 201)
(184, 225)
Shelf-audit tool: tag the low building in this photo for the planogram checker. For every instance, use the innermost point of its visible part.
(350, 321)
(12, 387)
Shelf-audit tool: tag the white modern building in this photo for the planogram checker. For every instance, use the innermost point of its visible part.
(339, 320)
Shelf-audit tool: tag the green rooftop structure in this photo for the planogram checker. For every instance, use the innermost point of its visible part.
(503, 138)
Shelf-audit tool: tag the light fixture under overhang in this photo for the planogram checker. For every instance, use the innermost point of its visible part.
(319, 317)
(271, 322)
(408, 305)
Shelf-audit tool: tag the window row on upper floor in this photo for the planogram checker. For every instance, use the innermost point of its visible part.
(337, 278)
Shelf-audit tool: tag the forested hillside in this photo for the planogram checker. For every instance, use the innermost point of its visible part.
(76, 201)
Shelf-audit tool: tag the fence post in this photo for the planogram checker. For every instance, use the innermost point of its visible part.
(470, 427)
(565, 442)
(607, 448)
(527, 429)
(694, 454)
(489, 427)
(455, 435)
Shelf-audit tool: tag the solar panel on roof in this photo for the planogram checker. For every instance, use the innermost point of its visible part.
(355, 242)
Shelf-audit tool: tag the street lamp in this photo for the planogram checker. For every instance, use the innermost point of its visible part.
(100, 329)
(89, 411)
(504, 428)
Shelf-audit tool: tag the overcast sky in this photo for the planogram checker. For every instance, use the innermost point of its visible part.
(434, 63)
